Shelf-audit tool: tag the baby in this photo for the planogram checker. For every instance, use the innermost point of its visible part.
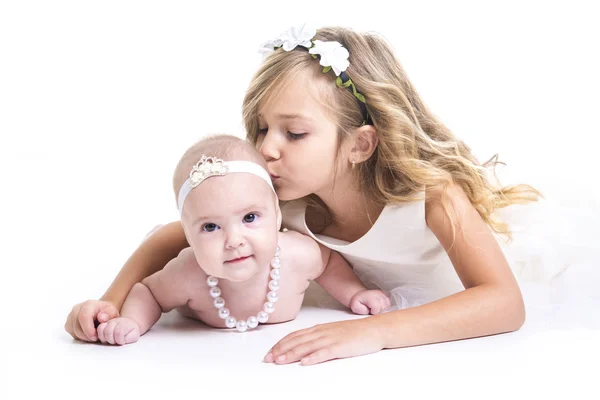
(240, 270)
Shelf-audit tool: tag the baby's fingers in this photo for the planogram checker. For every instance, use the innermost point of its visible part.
(101, 336)
(122, 330)
(109, 332)
(359, 307)
(375, 306)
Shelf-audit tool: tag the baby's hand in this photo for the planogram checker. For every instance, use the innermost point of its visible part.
(119, 331)
(370, 301)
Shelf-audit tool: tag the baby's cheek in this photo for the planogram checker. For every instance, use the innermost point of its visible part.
(211, 264)
(262, 260)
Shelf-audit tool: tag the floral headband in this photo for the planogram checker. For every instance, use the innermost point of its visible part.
(332, 56)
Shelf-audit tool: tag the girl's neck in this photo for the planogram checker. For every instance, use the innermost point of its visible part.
(353, 213)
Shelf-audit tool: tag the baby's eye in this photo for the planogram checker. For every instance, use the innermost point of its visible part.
(210, 227)
(249, 218)
(262, 131)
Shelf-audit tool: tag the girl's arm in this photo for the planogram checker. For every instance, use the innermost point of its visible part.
(151, 256)
(491, 304)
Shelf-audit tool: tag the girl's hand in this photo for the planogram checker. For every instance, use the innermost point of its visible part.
(327, 342)
(119, 331)
(80, 322)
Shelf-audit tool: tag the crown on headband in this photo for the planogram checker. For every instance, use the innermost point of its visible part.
(205, 168)
(213, 166)
(332, 55)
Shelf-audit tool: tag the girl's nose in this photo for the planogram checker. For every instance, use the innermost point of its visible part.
(269, 147)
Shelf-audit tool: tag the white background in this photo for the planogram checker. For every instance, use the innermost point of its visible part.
(99, 99)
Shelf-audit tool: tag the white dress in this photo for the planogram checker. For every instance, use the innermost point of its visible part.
(400, 255)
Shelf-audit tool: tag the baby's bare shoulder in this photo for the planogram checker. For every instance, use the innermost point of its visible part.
(295, 242)
(303, 252)
(186, 266)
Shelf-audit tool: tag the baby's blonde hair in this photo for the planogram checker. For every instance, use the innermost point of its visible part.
(415, 150)
(224, 146)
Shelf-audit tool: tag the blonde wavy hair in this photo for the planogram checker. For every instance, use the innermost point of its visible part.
(415, 150)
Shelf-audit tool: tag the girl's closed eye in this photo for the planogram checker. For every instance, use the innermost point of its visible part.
(291, 135)
(210, 227)
(295, 136)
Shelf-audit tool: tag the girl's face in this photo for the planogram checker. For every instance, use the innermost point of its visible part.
(299, 141)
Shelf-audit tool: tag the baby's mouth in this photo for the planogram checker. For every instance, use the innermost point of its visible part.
(237, 260)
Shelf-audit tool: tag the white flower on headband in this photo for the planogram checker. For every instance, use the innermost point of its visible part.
(332, 54)
(297, 36)
(269, 46)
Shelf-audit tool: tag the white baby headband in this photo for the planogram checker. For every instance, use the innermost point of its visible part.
(212, 166)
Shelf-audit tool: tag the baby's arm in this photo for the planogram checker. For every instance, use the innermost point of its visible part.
(341, 282)
(160, 292)
(338, 278)
(332, 272)
(151, 256)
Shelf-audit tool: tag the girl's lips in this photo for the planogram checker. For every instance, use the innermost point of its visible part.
(274, 177)
(237, 260)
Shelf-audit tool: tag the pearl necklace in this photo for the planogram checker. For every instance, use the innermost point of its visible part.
(263, 315)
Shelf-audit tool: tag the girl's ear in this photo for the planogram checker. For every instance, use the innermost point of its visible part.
(365, 143)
